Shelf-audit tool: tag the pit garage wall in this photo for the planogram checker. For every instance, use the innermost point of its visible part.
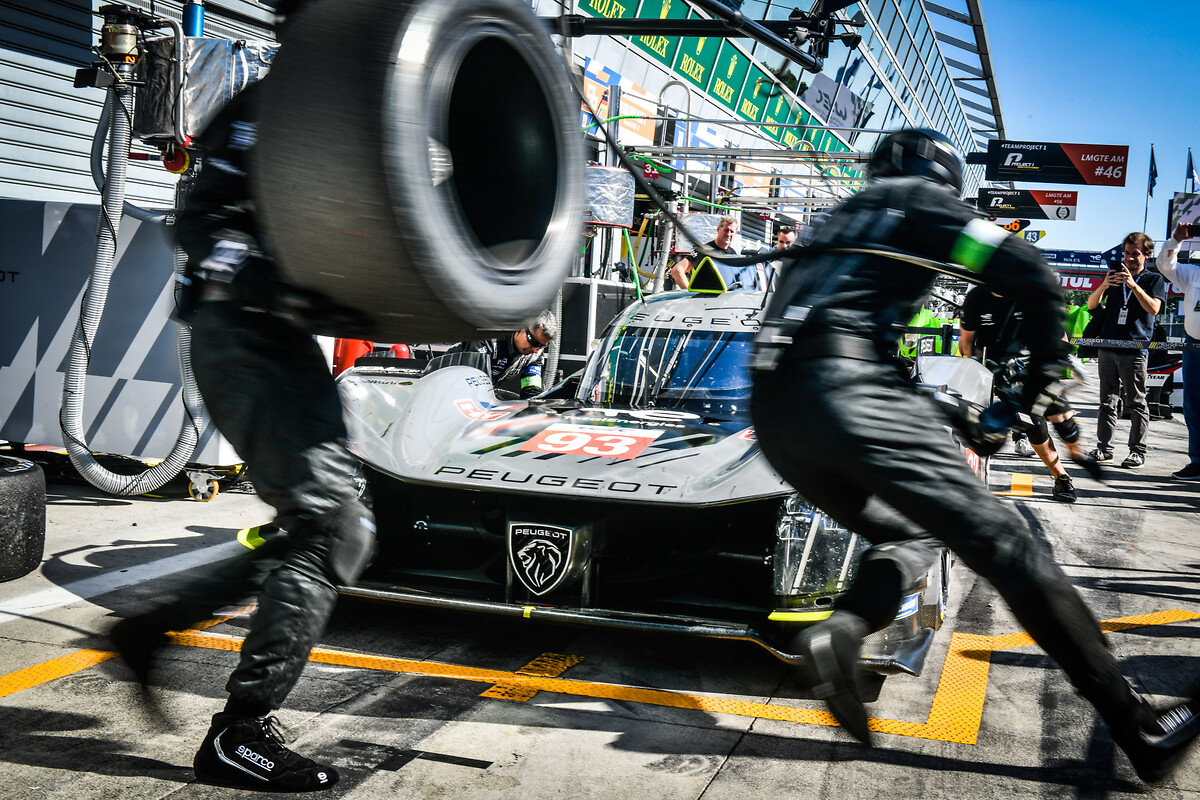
(46, 124)
(133, 392)
(48, 213)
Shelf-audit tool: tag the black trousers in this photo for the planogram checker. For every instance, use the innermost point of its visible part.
(268, 391)
(857, 440)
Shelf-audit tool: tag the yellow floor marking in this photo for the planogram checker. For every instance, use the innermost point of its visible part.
(955, 714)
(51, 670)
(547, 665)
(71, 663)
(1021, 486)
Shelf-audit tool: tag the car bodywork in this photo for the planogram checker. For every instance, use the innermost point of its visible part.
(634, 495)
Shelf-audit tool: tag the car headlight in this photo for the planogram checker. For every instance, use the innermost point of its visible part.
(813, 554)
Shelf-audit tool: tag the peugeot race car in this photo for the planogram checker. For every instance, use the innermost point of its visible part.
(634, 495)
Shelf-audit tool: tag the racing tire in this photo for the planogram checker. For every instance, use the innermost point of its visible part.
(22, 517)
(376, 188)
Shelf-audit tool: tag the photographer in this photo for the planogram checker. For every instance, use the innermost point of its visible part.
(1132, 296)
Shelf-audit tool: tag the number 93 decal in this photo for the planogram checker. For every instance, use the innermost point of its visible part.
(591, 440)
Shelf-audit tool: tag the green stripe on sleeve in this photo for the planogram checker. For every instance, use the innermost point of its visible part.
(976, 243)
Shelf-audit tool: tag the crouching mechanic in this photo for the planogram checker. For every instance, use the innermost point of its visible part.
(886, 468)
(519, 359)
(989, 331)
(269, 391)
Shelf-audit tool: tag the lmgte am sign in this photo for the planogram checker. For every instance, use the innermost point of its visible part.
(1028, 203)
(1048, 162)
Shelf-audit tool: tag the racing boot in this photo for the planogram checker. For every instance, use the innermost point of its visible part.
(830, 650)
(248, 753)
(1154, 740)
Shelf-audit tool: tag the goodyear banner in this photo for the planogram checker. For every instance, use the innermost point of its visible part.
(1028, 203)
(1048, 162)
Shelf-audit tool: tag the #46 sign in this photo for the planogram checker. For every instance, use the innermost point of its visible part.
(1049, 162)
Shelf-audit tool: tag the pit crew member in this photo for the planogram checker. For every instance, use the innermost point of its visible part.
(842, 424)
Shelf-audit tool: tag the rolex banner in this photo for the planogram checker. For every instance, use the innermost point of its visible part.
(1049, 162)
(1028, 203)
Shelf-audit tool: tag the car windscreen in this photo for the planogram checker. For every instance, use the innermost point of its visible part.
(704, 372)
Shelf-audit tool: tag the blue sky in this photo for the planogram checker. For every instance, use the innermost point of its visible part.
(1102, 72)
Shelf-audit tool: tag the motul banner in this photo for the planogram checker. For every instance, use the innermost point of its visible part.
(1049, 162)
(1080, 282)
(1028, 203)
(1087, 281)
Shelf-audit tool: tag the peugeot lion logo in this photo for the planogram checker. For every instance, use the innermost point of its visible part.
(540, 555)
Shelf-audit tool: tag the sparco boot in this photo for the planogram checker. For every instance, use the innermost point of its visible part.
(248, 753)
(830, 649)
(1159, 739)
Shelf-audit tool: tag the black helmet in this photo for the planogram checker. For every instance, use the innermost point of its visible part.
(918, 151)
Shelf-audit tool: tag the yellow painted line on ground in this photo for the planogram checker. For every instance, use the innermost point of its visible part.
(51, 670)
(955, 713)
(547, 665)
(1021, 485)
(71, 663)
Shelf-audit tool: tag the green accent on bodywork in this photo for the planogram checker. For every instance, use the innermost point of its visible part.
(707, 279)
(633, 273)
(499, 445)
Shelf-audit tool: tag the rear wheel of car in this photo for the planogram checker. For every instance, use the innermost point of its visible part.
(22, 517)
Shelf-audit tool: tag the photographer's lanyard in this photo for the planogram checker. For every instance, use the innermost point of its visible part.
(1124, 314)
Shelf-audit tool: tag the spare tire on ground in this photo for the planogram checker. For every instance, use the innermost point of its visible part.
(22, 517)
(421, 162)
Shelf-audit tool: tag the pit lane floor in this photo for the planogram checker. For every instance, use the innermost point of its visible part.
(423, 704)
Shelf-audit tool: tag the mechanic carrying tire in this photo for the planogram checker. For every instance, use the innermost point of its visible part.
(262, 279)
(885, 468)
(22, 517)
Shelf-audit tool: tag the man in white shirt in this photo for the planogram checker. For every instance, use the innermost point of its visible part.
(1186, 278)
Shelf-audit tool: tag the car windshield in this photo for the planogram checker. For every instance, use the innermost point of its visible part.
(704, 372)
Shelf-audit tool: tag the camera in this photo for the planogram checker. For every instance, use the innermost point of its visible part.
(1191, 229)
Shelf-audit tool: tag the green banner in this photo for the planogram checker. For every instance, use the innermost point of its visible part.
(610, 9)
(755, 94)
(728, 75)
(791, 137)
(661, 48)
(778, 109)
(696, 59)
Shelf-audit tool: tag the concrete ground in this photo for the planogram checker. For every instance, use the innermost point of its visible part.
(422, 704)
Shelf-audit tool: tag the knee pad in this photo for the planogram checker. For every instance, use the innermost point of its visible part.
(1039, 433)
(1067, 431)
(352, 542)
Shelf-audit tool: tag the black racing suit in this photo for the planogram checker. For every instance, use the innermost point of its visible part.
(842, 424)
(509, 365)
(269, 391)
(996, 323)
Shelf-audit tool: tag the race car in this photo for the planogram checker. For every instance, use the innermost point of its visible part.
(633, 495)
